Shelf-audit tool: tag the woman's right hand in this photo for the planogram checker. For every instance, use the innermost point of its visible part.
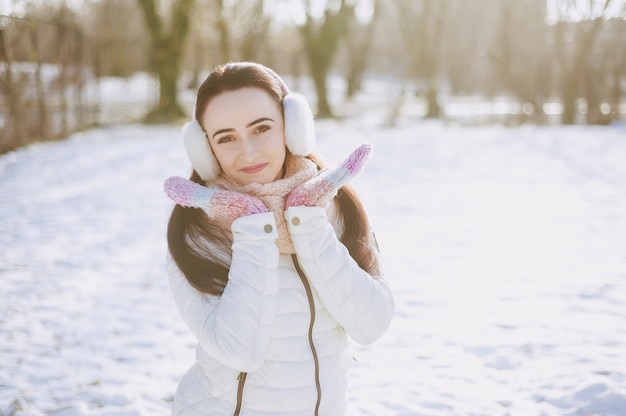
(322, 188)
(218, 203)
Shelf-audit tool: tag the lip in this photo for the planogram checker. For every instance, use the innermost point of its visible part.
(254, 168)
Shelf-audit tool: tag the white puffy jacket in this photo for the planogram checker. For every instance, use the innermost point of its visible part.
(276, 342)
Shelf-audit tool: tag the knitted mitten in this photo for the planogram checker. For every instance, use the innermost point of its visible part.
(218, 203)
(322, 188)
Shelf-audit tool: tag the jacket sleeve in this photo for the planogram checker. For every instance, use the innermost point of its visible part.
(235, 328)
(362, 304)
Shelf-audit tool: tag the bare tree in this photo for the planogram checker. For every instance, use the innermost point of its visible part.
(42, 76)
(11, 90)
(321, 39)
(359, 39)
(223, 28)
(257, 24)
(601, 89)
(167, 49)
(229, 30)
(616, 69)
(422, 23)
(574, 46)
(36, 57)
(519, 52)
(122, 42)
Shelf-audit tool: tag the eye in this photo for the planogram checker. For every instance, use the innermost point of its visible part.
(225, 139)
(262, 128)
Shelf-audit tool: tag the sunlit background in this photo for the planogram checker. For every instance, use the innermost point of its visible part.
(497, 191)
(538, 61)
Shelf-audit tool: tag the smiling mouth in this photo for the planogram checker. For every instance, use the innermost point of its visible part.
(255, 168)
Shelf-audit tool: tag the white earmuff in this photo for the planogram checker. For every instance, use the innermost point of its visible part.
(299, 133)
(199, 151)
(299, 124)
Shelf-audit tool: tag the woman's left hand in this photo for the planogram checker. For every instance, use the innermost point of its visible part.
(218, 203)
(322, 188)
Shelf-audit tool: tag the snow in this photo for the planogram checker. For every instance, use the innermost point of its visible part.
(505, 247)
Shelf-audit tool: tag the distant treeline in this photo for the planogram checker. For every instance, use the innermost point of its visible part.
(533, 52)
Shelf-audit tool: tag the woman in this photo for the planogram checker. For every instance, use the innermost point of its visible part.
(273, 264)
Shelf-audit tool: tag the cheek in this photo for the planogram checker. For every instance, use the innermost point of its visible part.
(223, 157)
(280, 150)
(279, 144)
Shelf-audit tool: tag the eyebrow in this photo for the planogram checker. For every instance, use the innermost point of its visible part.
(259, 120)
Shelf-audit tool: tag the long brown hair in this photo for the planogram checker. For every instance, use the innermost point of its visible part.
(199, 248)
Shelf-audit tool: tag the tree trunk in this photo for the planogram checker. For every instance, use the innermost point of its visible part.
(13, 95)
(252, 42)
(422, 29)
(39, 84)
(62, 53)
(358, 51)
(323, 107)
(166, 56)
(568, 98)
(320, 42)
(224, 31)
(436, 11)
(166, 66)
(584, 40)
(432, 100)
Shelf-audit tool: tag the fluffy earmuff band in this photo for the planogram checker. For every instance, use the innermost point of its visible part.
(299, 133)
(299, 125)
(199, 151)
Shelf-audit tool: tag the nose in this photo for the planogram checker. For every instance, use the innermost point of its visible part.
(249, 149)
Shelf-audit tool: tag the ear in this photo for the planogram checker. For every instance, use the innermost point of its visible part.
(199, 151)
(299, 124)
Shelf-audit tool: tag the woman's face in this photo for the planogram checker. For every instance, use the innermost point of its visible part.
(245, 128)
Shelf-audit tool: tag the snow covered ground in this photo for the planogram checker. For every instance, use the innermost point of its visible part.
(506, 248)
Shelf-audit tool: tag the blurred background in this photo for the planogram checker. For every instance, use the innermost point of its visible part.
(499, 128)
(471, 61)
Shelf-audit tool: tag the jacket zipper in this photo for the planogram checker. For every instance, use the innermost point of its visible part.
(309, 295)
(242, 381)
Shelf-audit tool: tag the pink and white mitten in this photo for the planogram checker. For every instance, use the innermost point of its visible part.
(322, 188)
(218, 203)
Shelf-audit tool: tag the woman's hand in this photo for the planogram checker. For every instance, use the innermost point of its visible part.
(218, 203)
(322, 188)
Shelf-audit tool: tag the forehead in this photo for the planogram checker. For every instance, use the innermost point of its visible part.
(231, 109)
